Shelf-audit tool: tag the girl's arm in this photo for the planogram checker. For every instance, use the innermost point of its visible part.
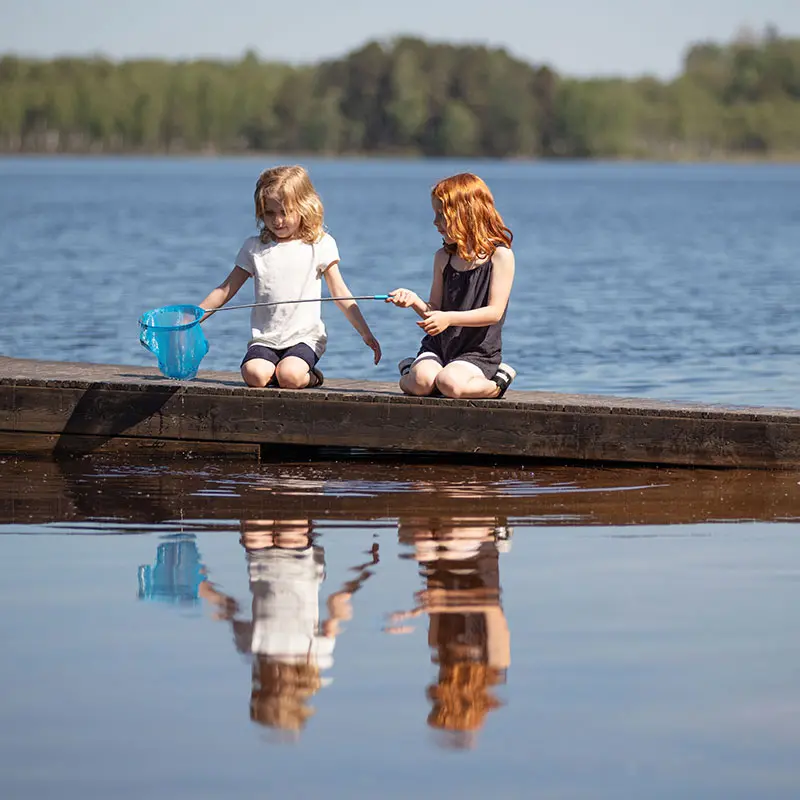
(499, 290)
(405, 298)
(339, 603)
(338, 288)
(225, 291)
(225, 606)
(340, 610)
(498, 637)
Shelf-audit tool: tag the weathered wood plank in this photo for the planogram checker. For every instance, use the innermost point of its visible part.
(109, 401)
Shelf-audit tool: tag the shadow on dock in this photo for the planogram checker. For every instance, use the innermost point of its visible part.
(101, 415)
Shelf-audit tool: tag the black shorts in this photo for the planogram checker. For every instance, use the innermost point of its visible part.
(486, 364)
(302, 351)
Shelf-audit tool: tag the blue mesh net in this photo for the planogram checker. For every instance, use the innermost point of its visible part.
(177, 573)
(175, 336)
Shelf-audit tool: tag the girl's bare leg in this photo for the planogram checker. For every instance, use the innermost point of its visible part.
(462, 380)
(293, 373)
(257, 372)
(420, 380)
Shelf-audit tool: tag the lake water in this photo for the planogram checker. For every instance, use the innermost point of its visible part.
(667, 281)
(347, 625)
(575, 633)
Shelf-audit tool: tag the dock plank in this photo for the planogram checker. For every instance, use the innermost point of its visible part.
(76, 404)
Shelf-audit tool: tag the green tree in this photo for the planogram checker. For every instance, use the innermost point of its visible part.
(408, 95)
(458, 131)
(407, 99)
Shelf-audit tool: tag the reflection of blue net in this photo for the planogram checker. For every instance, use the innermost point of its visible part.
(174, 335)
(177, 573)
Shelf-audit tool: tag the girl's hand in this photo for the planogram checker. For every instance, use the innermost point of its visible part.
(225, 607)
(339, 606)
(373, 344)
(403, 298)
(435, 322)
(431, 597)
(398, 617)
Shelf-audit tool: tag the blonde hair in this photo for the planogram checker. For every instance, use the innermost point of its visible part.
(471, 219)
(292, 188)
(280, 693)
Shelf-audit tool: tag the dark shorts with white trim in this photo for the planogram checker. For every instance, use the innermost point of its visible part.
(301, 351)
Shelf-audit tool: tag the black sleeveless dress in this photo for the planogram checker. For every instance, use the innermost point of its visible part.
(464, 291)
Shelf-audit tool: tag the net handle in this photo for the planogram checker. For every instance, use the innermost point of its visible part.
(210, 311)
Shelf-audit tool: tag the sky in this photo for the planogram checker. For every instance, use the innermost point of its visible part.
(576, 37)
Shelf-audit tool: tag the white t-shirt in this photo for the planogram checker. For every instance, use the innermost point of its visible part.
(288, 271)
(285, 586)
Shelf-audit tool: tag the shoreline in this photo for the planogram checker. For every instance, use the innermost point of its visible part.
(199, 155)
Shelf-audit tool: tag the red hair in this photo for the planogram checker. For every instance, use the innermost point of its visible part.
(471, 219)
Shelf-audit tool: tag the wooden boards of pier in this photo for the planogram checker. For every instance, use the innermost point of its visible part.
(76, 409)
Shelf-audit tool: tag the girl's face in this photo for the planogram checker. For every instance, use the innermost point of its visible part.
(282, 224)
(438, 219)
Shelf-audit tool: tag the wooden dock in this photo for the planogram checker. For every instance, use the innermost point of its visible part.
(77, 409)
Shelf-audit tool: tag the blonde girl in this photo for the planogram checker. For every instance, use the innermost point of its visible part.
(287, 261)
(473, 271)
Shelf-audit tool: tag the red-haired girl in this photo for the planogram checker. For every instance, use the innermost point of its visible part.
(460, 355)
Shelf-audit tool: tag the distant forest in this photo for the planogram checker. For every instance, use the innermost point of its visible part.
(409, 97)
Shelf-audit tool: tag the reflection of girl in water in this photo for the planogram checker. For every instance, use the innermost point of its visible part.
(290, 648)
(467, 627)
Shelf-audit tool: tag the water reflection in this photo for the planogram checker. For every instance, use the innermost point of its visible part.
(111, 495)
(467, 629)
(660, 660)
(176, 574)
(290, 647)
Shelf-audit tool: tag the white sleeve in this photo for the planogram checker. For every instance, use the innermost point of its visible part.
(327, 252)
(244, 258)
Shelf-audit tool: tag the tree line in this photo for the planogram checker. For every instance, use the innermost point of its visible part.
(409, 97)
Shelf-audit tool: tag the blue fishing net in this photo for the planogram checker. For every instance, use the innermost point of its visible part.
(175, 336)
(177, 573)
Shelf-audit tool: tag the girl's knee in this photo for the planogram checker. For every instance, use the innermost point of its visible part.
(293, 381)
(292, 376)
(416, 385)
(257, 376)
(450, 387)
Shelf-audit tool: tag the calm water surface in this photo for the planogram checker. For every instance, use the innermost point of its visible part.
(362, 627)
(667, 281)
(503, 631)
